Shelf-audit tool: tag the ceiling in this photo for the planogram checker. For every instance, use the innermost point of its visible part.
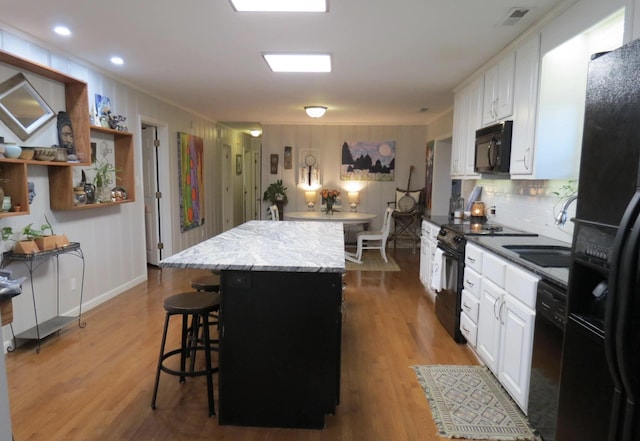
(390, 58)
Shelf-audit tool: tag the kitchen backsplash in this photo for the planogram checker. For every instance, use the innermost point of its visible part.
(529, 205)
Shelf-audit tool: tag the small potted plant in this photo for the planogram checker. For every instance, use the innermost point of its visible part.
(26, 244)
(276, 194)
(104, 177)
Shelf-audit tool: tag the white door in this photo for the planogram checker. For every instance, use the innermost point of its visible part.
(151, 194)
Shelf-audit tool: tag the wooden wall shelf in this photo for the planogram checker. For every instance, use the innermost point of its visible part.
(14, 171)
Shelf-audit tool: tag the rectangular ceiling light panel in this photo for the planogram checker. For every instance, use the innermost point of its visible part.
(298, 62)
(280, 5)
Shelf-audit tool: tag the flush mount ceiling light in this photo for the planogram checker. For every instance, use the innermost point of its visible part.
(117, 60)
(255, 133)
(62, 30)
(279, 5)
(279, 62)
(315, 111)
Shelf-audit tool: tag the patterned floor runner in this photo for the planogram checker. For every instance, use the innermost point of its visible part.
(468, 402)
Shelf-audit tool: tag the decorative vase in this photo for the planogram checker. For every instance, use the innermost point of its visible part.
(329, 207)
(103, 194)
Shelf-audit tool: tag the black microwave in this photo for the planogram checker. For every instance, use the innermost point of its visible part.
(493, 149)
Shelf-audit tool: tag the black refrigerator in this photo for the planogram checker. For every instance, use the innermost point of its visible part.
(599, 385)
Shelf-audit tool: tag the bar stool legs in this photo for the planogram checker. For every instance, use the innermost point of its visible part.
(198, 306)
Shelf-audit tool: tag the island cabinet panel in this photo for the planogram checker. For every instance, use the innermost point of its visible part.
(280, 348)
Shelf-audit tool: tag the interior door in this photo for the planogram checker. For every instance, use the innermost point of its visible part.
(151, 194)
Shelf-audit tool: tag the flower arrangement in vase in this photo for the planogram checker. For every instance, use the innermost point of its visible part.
(329, 198)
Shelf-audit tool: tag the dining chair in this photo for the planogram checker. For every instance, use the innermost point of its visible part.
(379, 239)
(275, 213)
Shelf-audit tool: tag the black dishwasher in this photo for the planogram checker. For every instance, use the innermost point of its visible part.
(545, 363)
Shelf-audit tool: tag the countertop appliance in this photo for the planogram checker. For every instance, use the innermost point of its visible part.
(600, 380)
(551, 301)
(493, 149)
(451, 242)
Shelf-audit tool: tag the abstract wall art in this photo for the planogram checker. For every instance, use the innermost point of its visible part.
(190, 161)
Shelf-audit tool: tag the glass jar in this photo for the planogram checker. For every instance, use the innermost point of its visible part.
(79, 196)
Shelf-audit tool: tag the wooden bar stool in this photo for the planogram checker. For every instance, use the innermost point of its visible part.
(198, 306)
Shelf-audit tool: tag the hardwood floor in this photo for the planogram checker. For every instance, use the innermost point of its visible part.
(96, 383)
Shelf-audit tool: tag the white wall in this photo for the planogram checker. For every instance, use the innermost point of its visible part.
(327, 141)
(112, 238)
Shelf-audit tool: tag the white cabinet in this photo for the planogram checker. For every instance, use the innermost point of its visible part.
(527, 75)
(467, 118)
(516, 343)
(498, 90)
(505, 320)
(428, 244)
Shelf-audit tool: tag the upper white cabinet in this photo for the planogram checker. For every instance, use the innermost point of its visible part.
(498, 90)
(467, 118)
(525, 88)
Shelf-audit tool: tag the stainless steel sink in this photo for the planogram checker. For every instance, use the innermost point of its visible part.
(543, 255)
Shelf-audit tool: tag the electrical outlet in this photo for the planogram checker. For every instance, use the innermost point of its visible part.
(73, 284)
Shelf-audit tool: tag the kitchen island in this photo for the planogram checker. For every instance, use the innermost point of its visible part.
(280, 324)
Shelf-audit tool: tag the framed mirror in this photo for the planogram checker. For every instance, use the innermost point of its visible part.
(22, 108)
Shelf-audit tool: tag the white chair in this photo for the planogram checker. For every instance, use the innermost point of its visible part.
(366, 237)
(275, 213)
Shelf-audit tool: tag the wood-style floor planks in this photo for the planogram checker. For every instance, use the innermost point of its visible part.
(95, 383)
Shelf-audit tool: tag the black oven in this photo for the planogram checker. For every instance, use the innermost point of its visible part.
(449, 297)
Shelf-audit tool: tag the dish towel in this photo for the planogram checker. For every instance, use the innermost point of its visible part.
(437, 270)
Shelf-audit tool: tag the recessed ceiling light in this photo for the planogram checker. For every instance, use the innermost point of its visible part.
(280, 5)
(298, 62)
(117, 60)
(62, 30)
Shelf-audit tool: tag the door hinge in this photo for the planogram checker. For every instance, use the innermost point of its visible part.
(158, 194)
(160, 246)
(156, 143)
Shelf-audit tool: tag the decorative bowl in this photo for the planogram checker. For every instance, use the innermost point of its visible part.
(27, 153)
(61, 155)
(12, 150)
(45, 154)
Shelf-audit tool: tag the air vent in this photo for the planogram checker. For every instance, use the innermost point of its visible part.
(514, 16)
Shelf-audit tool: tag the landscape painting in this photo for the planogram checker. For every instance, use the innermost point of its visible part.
(368, 161)
(190, 150)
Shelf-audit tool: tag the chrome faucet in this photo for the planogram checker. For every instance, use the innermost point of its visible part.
(561, 218)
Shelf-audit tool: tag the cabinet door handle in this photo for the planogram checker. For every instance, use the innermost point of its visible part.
(465, 330)
(502, 302)
(467, 307)
(471, 259)
(470, 284)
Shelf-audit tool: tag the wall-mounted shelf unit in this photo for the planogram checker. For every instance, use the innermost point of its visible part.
(14, 171)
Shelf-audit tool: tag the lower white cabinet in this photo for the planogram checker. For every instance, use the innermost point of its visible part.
(428, 244)
(506, 317)
(516, 342)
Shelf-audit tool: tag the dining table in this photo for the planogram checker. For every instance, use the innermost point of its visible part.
(346, 217)
(280, 320)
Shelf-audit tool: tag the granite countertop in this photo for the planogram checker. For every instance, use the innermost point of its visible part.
(269, 246)
(495, 244)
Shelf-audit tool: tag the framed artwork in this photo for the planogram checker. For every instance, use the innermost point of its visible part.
(190, 162)
(368, 161)
(103, 106)
(288, 160)
(238, 164)
(274, 164)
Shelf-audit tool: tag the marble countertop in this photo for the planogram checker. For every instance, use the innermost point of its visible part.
(269, 246)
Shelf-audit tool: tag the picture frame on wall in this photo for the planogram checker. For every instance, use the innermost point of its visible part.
(274, 164)
(288, 160)
(238, 164)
